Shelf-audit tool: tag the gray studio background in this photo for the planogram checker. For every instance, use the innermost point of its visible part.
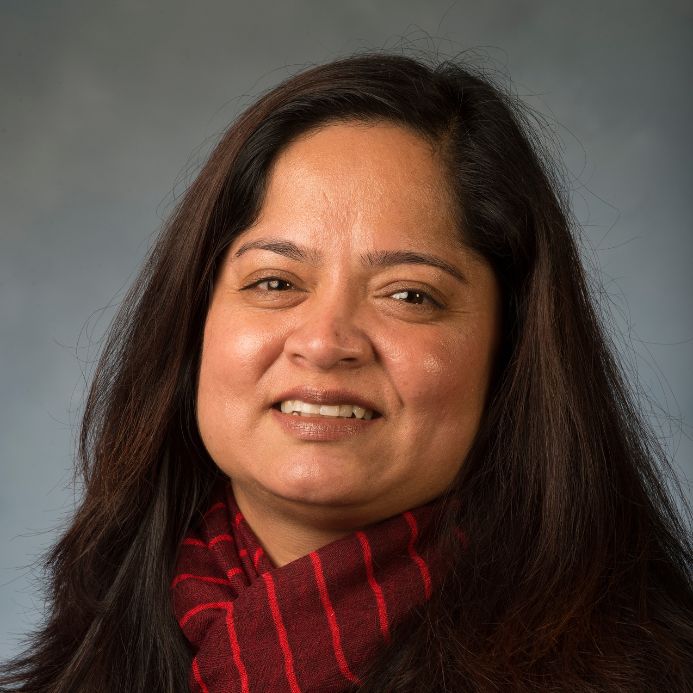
(106, 109)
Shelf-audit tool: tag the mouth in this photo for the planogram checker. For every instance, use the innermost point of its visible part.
(339, 412)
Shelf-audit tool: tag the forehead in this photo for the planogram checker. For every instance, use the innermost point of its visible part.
(373, 180)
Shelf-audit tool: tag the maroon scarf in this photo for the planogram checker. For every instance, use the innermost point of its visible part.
(314, 624)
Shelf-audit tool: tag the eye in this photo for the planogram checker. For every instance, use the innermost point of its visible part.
(273, 284)
(417, 297)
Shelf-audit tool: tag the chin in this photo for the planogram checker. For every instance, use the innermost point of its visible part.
(320, 493)
(320, 479)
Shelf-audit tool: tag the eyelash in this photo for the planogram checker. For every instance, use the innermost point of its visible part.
(255, 284)
(433, 303)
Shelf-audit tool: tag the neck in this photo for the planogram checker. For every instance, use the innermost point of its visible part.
(285, 534)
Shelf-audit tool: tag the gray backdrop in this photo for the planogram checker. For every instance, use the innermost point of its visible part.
(107, 107)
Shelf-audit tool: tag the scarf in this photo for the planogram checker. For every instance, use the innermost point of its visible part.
(314, 624)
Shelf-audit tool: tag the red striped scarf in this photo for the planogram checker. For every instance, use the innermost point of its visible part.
(314, 624)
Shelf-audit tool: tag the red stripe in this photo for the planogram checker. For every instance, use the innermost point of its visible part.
(257, 556)
(198, 542)
(214, 508)
(232, 572)
(331, 619)
(203, 578)
(198, 677)
(220, 537)
(189, 541)
(281, 632)
(375, 587)
(423, 568)
(238, 519)
(202, 607)
(236, 650)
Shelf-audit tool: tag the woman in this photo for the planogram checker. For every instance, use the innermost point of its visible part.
(357, 426)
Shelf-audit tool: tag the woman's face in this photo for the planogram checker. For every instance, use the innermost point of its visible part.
(352, 279)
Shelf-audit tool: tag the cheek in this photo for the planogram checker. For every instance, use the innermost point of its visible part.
(443, 375)
(234, 357)
(234, 344)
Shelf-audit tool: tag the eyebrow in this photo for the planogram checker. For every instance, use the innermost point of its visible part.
(379, 258)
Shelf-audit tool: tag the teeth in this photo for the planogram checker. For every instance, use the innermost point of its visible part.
(346, 411)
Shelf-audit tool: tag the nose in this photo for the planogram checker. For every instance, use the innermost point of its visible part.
(328, 334)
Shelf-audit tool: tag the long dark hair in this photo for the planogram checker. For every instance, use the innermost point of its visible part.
(576, 576)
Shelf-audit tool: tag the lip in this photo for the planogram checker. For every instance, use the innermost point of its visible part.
(321, 428)
(315, 395)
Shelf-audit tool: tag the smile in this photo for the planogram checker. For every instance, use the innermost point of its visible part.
(341, 411)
